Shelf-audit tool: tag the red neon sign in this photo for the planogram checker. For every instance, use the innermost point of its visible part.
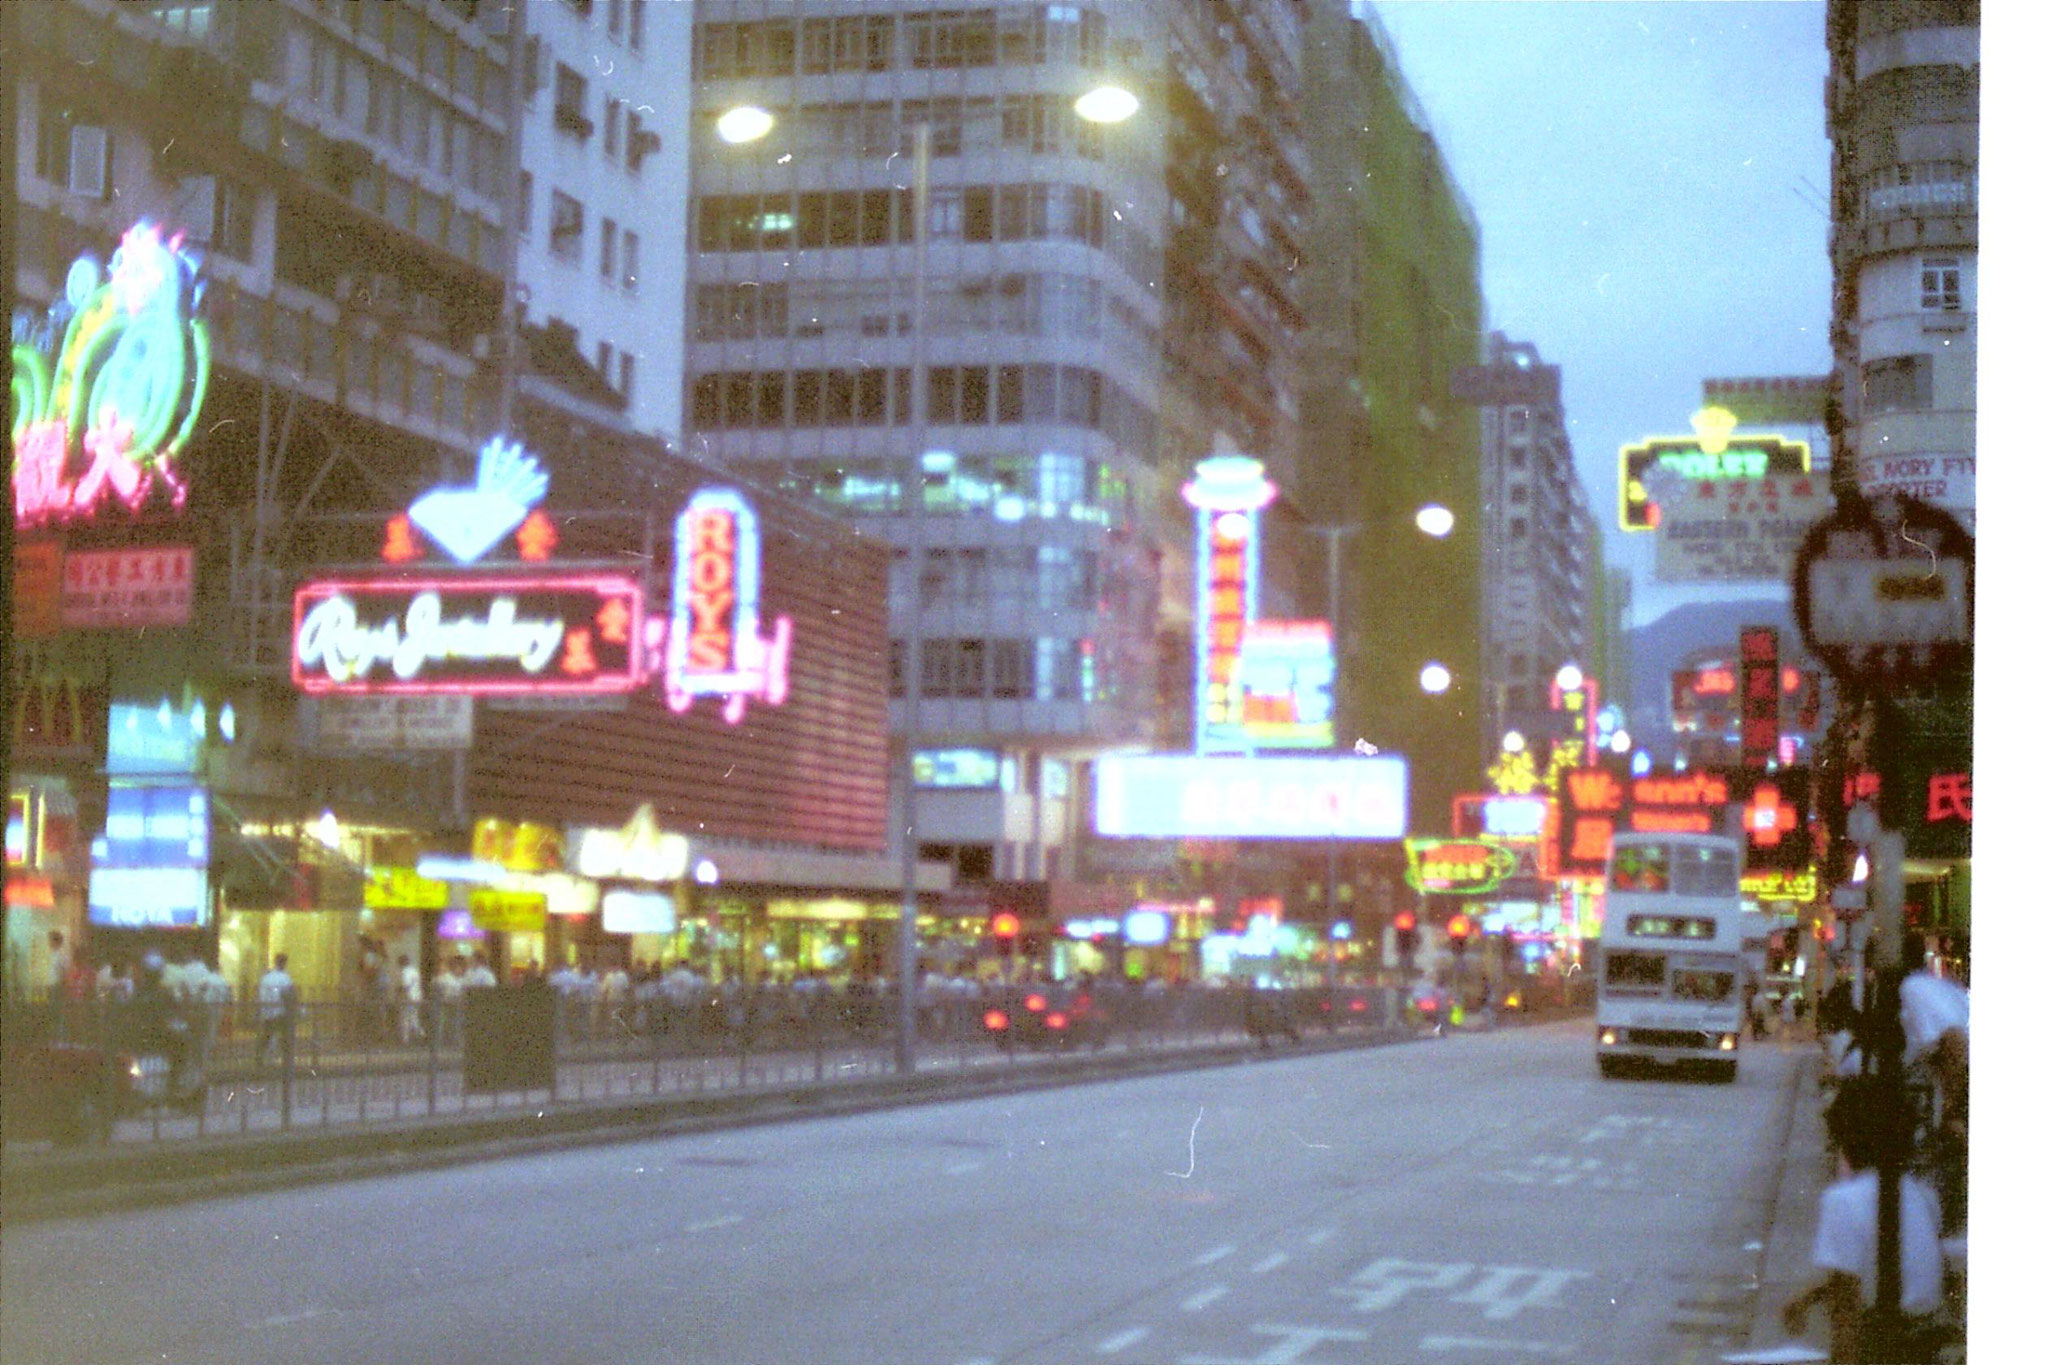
(1714, 682)
(1224, 604)
(476, 635)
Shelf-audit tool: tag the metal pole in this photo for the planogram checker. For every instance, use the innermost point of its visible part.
(508, 208)
(1887, 876)
(913, 622)
(10, 80)
(1332, 536)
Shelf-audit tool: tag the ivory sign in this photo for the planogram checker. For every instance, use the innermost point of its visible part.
(1738, 530)
(486, 634)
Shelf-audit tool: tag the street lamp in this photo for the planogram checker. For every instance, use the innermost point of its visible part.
(744, 123)
(1435, 679)
(1106, 104)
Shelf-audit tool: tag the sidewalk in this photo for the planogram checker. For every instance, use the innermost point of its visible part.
(1786, 1264)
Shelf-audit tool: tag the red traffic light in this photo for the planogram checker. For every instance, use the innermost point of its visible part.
(1003, 924)
(1459, 927)
(1404, 921)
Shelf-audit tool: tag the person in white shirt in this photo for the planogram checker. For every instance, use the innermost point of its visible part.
(448, 1000)
(410, 993)
(479, 975)
(277, 998)
(1934, 1013)
(1845, 1242)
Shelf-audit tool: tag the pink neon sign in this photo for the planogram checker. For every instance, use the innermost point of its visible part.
(715, 645)
(109, 384)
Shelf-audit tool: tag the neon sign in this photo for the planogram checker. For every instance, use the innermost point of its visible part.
(715, 645)
(563, 634)
(108, 386)
(1226, 493)
(1288, 668)
(1467, 866)
(468, 521)
(1710, 455)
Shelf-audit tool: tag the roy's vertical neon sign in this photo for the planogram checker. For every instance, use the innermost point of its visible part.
(1226, 493)
(108, 386)
(715, 645)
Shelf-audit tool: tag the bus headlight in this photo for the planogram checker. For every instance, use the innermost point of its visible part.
(1608, 1037)
(1727, 1042)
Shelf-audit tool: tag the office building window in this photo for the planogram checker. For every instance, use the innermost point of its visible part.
(1901, 383)
(614, 111)
(565, 227)
(636, 23)
(604, 361)
(525, 202)
(615, 17)
(1941, 283)
(607, 248)
(234, 217)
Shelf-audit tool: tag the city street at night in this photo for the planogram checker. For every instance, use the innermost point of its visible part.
(1482, 1197)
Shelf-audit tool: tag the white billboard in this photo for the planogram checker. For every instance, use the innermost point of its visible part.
(1188, 796)
(1738, 530)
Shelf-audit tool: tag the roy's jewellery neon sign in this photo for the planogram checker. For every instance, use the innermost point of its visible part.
(332, 636)
(108, 387)
(715, 645)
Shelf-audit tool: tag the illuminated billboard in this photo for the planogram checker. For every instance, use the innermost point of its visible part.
(482, 634)
(1713, 454)
(1226, 493)
(1288, 669)
(108, 386)
(149, 868)
(1174, 796)
(715, 645)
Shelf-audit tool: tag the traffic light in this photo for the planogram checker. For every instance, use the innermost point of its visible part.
(1460, 932)
(1404, 936)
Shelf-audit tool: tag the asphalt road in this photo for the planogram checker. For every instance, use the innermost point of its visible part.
(1473, 1199)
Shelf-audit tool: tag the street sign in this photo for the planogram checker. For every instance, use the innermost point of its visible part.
(1733, 530)
(1884, 592)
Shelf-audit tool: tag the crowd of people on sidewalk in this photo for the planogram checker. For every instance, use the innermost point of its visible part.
(1922, 1126)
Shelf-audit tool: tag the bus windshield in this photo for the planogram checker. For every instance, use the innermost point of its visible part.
(1698, 983)
(1635, 973)
(1675, 869)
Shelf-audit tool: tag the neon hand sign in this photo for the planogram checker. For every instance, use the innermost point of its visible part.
(108, 387)
(468, 521)
(715, 645)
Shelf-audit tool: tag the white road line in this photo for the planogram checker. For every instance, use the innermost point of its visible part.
(964, 1167)
(1109, 1346)
(1320, 1236)
(1543, 1348)
(1273, 1262)
(1195, 1303)
(1214, 1254)
(303, 1315)
(710, 1223)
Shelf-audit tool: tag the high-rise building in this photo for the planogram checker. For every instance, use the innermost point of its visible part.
(1394, 310)
(1902, 94)
(1100, 305)
(604, 167)
(1541, 542)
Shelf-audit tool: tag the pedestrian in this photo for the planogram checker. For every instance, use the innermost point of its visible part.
(448, 1000)
(1845, 1242)
(480, 976)
(1934, 1013)
(409, 995)
(277, 1001)
(60, 964)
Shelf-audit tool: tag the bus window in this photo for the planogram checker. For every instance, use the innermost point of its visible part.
(1697, 983)
(1641, 867)
(1704, 871)
(1628, 971)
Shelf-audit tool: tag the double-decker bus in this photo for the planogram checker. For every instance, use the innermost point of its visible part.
(1671, 964)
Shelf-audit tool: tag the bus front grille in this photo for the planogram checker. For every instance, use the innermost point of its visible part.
(1672, 1037)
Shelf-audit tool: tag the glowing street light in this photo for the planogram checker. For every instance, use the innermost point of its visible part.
(1106, 104)
(1435, 520)
(1512, 742)
(746, 123)
(1436, 679)
(1570, 678)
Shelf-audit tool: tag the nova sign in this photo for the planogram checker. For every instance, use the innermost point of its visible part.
(559, 634)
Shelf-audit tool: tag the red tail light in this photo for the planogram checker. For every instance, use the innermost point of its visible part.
(1034, 1002)
(995, 1021)
(1055, 1020)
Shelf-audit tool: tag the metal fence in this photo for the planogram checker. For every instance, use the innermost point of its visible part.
(76, 1070)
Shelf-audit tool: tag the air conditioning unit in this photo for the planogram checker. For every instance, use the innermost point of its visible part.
(87, 173)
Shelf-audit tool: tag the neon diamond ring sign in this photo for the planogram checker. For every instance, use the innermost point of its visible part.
(477, 634)
(108, 386)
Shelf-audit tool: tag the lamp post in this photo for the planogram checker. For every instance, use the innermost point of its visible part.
(749, 123)
(1435, 521)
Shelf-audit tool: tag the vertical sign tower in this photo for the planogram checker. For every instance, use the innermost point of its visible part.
(1227, 493)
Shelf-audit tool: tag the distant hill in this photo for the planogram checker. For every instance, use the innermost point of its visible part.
(1658, 649)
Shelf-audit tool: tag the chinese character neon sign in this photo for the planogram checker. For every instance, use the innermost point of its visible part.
(715, 645)
(1226, 493)
(1712, 454)
(108, 386)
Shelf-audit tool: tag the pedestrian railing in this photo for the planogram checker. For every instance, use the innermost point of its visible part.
(246, 1069)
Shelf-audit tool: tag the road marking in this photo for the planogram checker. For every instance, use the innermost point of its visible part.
(708, 1224)
(1543, 1348)
(1109, 1346)
(963, 1167)
(1195, 1303)
(303, 1315)
(1273, 1262)
(1214, 1254)
(1320, 1236)
(1295, 1343)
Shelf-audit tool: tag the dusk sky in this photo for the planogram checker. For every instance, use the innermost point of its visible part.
(1650, 181)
